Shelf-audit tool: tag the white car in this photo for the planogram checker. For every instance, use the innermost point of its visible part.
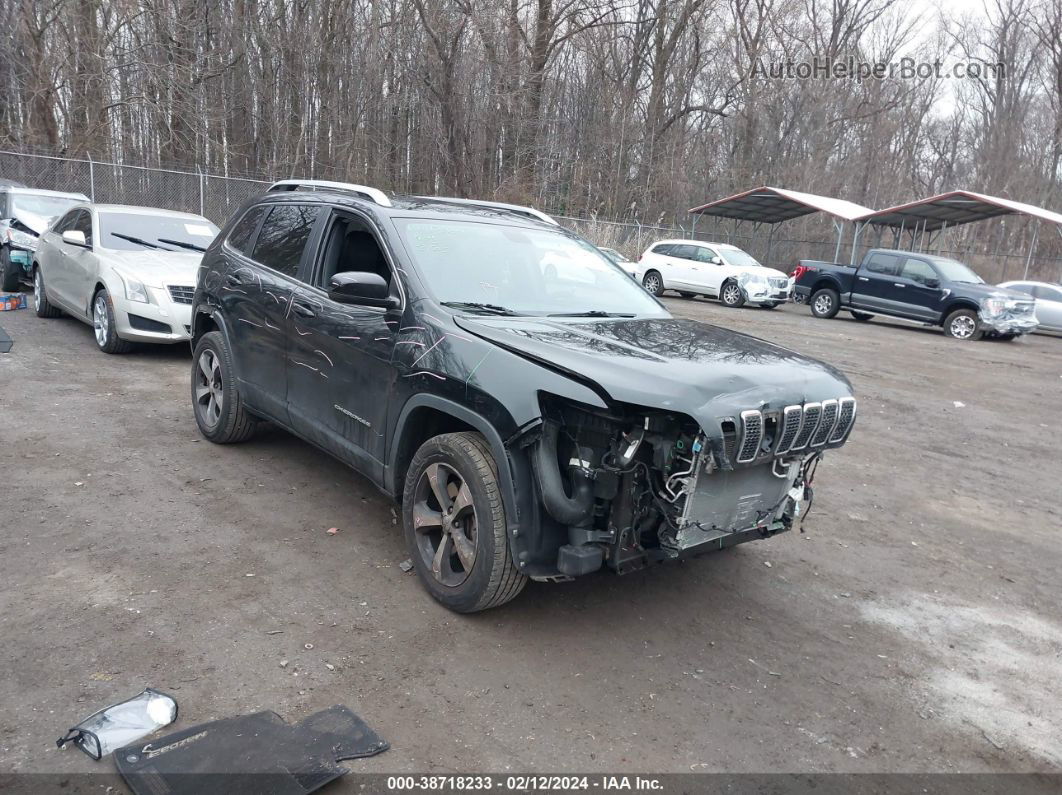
(129, 271)
(716, 270)
(1048, 302)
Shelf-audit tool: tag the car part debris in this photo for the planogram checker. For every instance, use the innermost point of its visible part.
(122, 723)
(250, 754)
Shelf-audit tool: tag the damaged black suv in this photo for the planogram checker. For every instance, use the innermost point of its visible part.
(535, 412)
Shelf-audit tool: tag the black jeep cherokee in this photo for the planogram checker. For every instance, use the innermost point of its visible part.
(535, 412)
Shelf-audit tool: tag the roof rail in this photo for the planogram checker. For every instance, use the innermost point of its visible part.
(519, 209)
(372, 194)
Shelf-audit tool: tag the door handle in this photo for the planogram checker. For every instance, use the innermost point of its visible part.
(897, 284)
(864, 279)
(300, 308)
(232, 278)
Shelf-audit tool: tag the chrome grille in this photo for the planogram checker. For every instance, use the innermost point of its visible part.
(792, 418)
(829, 419)
(812, 414)
(845, 418)
(778, 283)
(751, 435)
(181, 294)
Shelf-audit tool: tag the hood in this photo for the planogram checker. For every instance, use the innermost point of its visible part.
(763, 270)
(156, 268)
(38, 223)
(673, 364)
(982, 291)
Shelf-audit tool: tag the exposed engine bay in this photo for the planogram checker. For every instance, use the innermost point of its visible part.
(647, 486)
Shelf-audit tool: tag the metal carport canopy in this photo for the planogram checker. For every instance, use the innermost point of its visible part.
(773, 205)
(952, 209)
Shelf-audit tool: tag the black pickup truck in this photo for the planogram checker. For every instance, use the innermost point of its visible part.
(924, 288)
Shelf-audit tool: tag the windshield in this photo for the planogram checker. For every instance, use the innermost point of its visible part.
(526, 271)
(738, 258)
(42, 205)
(140, 232)
(953, 271)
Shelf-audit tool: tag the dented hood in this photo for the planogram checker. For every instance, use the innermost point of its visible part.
(34, 222)
(674, 364)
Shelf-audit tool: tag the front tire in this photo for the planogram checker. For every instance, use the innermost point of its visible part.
(732, 295)
(455, 526)
(12, 273)
(218, 405)
(825, 303)
(104, 326)
(962, 324)
(653, 282)
(41, 305)
(688, 296)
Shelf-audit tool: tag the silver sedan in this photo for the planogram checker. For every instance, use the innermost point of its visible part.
(1048, 302)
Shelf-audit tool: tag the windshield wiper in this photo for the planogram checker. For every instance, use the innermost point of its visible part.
(493, 309)
(591, 313)
(139, 241)
(182, 244)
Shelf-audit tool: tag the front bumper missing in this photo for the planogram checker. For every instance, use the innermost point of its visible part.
(1009, 324)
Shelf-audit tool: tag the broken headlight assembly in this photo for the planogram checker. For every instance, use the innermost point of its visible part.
(21, 239)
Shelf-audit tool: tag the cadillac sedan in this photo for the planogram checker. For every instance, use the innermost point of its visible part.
(128, 271)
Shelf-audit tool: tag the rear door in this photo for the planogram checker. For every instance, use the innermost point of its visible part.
(873, 285)
(339, 372)
(1048, 306)
(265, 252)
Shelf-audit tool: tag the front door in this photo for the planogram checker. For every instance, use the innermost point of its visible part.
(339, 371)
(708, 270)
(922, 292)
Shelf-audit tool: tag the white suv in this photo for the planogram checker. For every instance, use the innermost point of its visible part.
(716, 270)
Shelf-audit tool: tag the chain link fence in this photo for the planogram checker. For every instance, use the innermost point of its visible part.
(217, 197)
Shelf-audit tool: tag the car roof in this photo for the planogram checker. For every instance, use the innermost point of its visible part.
(135, 209)
(679, 241)
(41, 192)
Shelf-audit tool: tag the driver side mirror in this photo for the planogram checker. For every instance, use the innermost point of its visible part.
(360, 287)
(933, 283)
(75, 238)
(716, 261)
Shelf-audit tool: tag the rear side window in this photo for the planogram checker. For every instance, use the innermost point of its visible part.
(1048, 293)
(883, 263)
(662, 248)
(283, 237)
(240, 236)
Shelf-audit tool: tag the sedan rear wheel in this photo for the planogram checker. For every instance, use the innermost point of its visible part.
(41, 305)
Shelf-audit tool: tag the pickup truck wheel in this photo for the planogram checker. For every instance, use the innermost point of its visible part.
(11, 271)
(962, 325)
(217, 403)
(825, 303)
(455, 525)
(732, 295)
(862, 316)
(654, 283)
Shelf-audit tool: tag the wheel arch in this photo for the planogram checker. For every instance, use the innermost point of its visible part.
(203, 322)
(823, 283)
(957, 303)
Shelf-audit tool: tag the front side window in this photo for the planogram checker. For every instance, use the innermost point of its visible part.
(123, 231)
(739, 258)
(702, 254)
(283, 237)
(527, 271)
(66, 222)
(917, 271)
(83, 224)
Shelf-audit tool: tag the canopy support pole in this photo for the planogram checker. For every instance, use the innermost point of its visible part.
(1032, 248)
(857, 231)
(839, 226)
(770, 240)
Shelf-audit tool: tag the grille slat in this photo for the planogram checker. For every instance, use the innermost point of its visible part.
(181, 294)
(845, 418)
(792, 418)
(751, 435)
(812, 414)
(826, 424)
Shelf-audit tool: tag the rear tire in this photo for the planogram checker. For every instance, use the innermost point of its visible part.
(217, 403)
(860, 316)
(825, 303)
(687, 296)
(41, 304)
(962, 324)
(731, 295)
(653, 282)
(12, 273)
(455, 525)
(103, 324)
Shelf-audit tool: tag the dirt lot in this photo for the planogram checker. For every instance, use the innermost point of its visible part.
(915, 626)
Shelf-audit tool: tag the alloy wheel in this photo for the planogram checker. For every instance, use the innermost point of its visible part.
(37, 287)
(823, 304)
(963, 327)
(100, 322)
(652, 283)
(444, 521)
(731, 294)
(209, 387)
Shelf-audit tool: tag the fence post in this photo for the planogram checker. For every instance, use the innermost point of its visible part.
(202, 191)
(92, 179)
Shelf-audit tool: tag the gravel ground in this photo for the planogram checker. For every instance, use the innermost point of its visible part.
(913, 627)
